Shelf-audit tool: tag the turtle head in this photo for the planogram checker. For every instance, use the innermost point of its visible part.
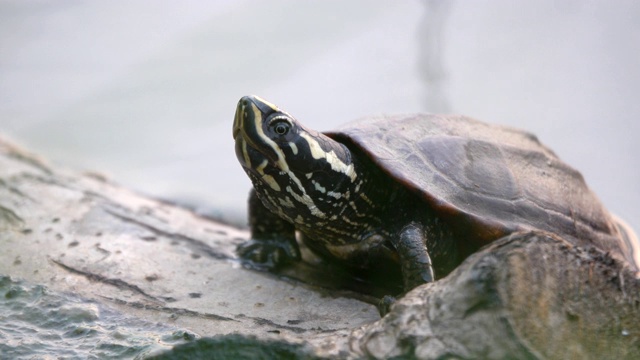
(292, 167)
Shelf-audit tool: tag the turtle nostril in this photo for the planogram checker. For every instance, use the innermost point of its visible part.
(244, 102)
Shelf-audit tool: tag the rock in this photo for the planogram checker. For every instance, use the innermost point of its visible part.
(530, 295)
(526, 296)
(80, 233)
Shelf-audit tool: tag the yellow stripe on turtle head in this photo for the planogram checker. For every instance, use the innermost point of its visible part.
(257, 118)
(245, 153)
(317, 152)
(259, 99)
(281, 162)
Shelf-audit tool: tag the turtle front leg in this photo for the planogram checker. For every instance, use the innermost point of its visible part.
(273, 240)
(415, 262)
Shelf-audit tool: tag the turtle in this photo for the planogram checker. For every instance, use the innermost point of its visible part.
(418, 191)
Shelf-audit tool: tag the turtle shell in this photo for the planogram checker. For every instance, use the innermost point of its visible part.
(491, 180)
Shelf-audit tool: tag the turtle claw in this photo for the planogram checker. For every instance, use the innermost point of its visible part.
(270, 254)
(385, 304)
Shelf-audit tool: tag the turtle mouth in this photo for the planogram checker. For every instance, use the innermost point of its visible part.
(247, 151)
(250, 141)
(238, 120)
(252, 145)
(236, 130)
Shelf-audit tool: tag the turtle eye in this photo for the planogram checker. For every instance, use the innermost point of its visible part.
(281, 127)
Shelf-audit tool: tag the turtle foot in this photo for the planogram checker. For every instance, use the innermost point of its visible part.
(385, 304)
(269, 253)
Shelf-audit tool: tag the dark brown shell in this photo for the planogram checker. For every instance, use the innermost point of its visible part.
(493, 179)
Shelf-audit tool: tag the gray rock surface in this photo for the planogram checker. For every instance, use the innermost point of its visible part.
(527, 296)
(82, 234)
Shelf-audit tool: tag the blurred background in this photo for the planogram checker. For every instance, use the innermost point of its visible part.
(145, 91)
